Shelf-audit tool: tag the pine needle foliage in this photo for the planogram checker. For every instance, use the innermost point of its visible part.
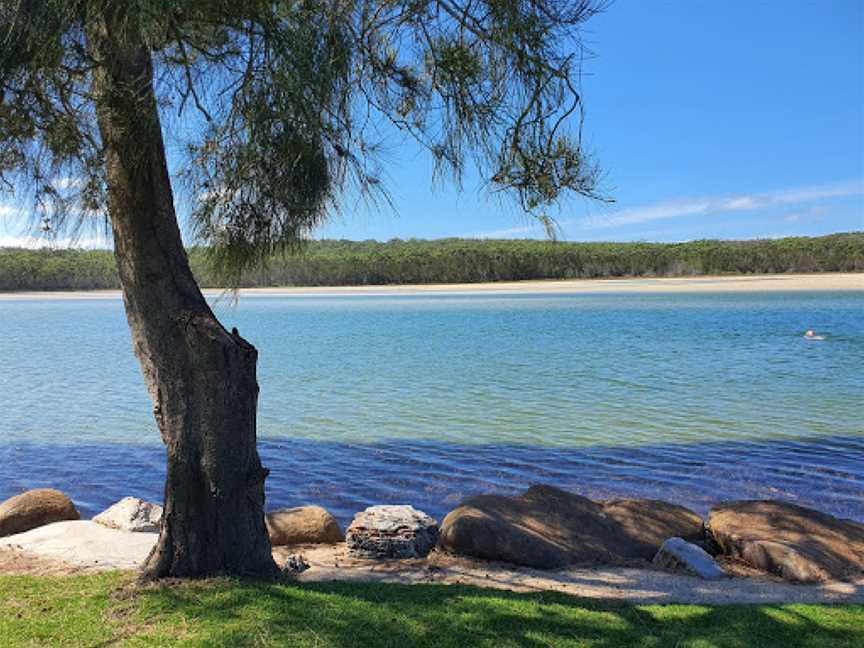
(281, 105)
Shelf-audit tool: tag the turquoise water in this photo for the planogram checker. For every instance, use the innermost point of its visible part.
(427, 399)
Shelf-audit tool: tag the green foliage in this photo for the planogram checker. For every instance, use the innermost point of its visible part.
(89, 611)
(353, 263)
(57, 270)
(281, 105)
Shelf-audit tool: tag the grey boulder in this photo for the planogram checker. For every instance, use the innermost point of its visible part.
(131, 514)
(391, 531)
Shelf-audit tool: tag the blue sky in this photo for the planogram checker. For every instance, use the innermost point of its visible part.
(740, 119)
(736, 119)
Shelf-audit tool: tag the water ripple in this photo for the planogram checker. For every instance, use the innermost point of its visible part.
(693, 398)
(435, 476)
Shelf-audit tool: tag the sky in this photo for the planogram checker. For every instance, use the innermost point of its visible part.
(736, 120)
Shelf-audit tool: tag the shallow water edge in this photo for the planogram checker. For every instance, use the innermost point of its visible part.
(824, 473)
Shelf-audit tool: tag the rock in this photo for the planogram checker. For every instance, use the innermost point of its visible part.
(678, 554)
(303, 525)
(650, 522)
(35, 508)
(536, 529)
(791, 541)
(295, 564)
(84, 544)
(131, 514)
(546, 527)
(391, 532)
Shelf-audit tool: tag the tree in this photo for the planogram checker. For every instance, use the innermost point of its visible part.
(280, 106)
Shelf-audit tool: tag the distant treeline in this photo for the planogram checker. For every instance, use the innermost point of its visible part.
(352, 263)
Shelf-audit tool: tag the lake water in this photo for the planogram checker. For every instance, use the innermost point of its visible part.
(426, 399)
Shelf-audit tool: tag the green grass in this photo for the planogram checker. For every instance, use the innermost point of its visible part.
(105, 610)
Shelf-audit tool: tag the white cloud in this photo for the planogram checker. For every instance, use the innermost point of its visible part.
(806, 215)
(712, 205)
(698, 206)
(511, 232)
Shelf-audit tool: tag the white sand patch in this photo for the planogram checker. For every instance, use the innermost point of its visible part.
(703, 284)
(85, 545)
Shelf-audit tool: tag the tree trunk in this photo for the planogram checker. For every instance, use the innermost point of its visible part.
(201, 378)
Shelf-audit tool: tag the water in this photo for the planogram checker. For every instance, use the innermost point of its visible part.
(424, 399)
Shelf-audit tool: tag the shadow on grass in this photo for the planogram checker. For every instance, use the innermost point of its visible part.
(230, 613)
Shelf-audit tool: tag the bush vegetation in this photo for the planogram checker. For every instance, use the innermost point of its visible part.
(350, 263)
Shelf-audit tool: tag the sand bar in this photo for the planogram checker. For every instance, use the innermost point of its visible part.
(846, 281)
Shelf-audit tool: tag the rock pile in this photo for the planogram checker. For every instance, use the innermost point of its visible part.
(391, 532)
(544, 527)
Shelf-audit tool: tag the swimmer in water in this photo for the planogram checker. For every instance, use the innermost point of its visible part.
(810, 334)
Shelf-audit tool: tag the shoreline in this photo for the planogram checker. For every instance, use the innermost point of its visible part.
(819, 282)
(330, 563)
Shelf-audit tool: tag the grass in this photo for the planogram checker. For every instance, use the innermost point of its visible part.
(103, 610)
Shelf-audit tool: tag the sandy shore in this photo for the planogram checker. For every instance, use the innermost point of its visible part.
(702, 284)
(632, 584)
(80, 547)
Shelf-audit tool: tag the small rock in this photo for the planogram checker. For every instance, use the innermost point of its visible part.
(131, 514)
(391, 531)
(35, 508)
(303, 525)
(295, 564)
(677, 553)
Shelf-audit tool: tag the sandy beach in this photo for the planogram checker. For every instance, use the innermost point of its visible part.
(700, 284)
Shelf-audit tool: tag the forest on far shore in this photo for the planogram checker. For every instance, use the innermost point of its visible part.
(362, 263)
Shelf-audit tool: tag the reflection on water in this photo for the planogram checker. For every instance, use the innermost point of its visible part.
(826, 473)
(425, 399)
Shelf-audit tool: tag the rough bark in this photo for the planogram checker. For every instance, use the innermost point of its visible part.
(200, 377)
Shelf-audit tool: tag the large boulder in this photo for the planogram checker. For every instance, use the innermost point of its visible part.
(131, 514)
(84, 544)
(35, 508)
(649, 523)
(391, 531)
(791, 541)
(546, 527)
(303, 525)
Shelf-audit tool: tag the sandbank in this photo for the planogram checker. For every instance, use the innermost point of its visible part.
(846, 281)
